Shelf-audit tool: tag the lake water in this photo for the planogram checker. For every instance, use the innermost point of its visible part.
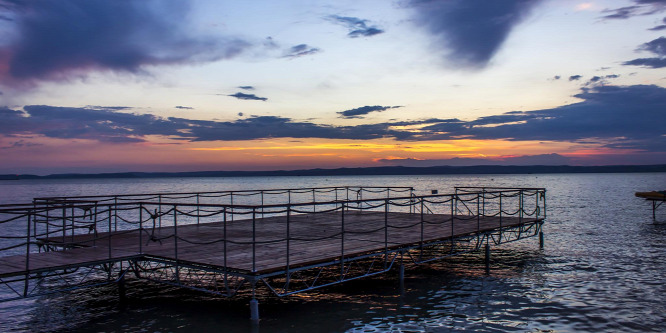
(602, 269)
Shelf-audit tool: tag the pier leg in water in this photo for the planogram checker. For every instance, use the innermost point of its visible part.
(254, 310)
(487, 259)
(254, 305)
(541, 240)
(402, 279)
(121, 289)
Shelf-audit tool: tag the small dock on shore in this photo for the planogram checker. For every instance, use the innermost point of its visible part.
(281, 241)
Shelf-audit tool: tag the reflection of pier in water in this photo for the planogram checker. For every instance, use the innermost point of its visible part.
(282, 241)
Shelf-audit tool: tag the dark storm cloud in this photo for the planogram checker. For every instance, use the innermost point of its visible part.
(634, 114)
(101, 124)
(470, 32)
(300, 50)
(249, 97)
(658, 47)
(261, 127)
(58, 39)
(359, 112)
(575, 77)
(357, 27)
(184, 107)
(614, 116)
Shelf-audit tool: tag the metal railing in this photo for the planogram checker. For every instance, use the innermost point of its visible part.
(269, 220)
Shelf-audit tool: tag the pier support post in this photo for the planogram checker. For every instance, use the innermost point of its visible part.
(402, 278)
(487, 259)
(541, 240)
(254, 310)
(254, 304)
(122, 290)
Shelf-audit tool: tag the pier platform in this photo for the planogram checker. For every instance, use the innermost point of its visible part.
(238, 242)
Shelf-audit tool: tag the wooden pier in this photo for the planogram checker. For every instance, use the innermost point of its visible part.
(289, 247)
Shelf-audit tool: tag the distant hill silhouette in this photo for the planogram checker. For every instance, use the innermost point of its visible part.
(388, 170)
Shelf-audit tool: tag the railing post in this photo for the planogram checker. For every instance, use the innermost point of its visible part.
(254, 239)
(483, 190)
(224, 228)
(140, 228)
(95, 225)
(314, 206)
(115, 218)
(342, 243)
(422, 226)
(520, 208)
(64, 224)
(231, 202)
(386, 209)
(175, 237)
(27, 259)
(47, 220)
(347, 187)
(109, 235)
(198, 210)
(453, 202)
(478, 213)
(501, 210)
(73, 222)
(159, 200)
(288, 243)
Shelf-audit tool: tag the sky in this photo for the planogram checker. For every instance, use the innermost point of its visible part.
(92, 86)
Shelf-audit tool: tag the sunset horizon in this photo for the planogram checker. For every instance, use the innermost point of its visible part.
(151, 86)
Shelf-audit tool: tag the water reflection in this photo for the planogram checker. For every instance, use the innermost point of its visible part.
(602, 269)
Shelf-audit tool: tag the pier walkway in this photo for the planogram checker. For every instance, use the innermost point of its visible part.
(238, 242)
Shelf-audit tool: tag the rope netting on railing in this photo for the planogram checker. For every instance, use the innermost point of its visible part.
(83, 221)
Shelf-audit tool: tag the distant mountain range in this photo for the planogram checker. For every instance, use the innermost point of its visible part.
(387, 170)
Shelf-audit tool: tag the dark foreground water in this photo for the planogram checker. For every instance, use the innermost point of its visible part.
(603, 268)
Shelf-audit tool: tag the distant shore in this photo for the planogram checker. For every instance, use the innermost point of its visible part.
(382, 171)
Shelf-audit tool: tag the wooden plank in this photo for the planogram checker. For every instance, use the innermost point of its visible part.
(314, 238)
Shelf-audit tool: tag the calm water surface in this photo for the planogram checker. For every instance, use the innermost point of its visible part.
(602, 269)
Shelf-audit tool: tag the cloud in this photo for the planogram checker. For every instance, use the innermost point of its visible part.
(629, 117)
(184, 107)
(20, 144)
(246, 87)
(470, 34)
(543, 159)
(658, 47)
(647, 62)
(621, 13)
(249, 97)
(300, 50)
(57, 40)
(358, 112)
(642, 7)
(357, 27)
(100, 124)
(556, 77)
(575, 77)
(607, 114)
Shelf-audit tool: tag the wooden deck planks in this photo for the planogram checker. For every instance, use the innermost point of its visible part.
(314, 238)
